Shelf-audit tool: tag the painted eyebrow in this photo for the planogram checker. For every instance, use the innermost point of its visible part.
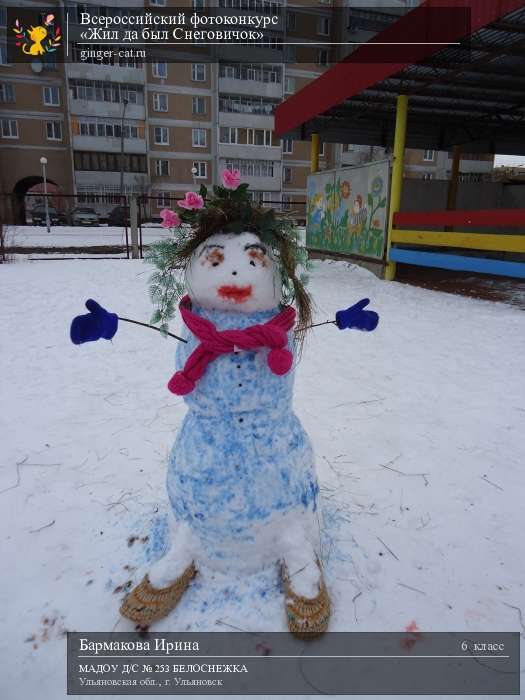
(209, 246)
(258, 246)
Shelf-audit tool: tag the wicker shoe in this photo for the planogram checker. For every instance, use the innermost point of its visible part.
(146, 604)
(307, 617)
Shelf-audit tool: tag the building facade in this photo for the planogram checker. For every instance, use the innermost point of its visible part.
(114, 127)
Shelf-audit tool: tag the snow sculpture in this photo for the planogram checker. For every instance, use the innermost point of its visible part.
(241, 477)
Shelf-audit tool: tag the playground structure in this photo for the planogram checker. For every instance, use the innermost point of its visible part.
(460, 86)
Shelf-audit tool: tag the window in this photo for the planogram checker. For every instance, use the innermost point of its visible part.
(198, 105)
(199, 4)
(157, 3)
(245, 104)
(9, 129)
(291, 21)
(162, 137)
(289, 86)
(100, 91)
(162, 167)
(259, 137)
(49, 62)
(263, 73)
(322, 57)
(287, 202)
(323, 26)
(288, 146)
(290, 53)
(54, 131)
(198, 72)
(321, 149)
(160, 102)
(3, 48)
(348, 147)
(198, 138)
(287, 174)
(95, 160)
(108, 128)
(228, 134)
(51, 96)
(7, 92)
(254, 168)
(428, 154)
(160, 69)
(201, 168)
(163, 199)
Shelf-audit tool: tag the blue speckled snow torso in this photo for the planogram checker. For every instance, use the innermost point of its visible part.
(241, 457)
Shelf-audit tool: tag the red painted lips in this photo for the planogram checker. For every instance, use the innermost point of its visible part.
(234, 293)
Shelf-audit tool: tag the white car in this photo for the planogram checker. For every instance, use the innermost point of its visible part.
(83, 216)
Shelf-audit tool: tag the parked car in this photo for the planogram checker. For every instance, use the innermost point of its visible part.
(119, 216)
(38, 216)
(84, 216)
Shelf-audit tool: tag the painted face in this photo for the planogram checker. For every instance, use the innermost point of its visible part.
(234, 272)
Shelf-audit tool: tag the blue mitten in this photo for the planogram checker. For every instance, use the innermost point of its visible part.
(98, 323)
(357, 317)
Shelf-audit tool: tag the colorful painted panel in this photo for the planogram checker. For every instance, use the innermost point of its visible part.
(347, 210)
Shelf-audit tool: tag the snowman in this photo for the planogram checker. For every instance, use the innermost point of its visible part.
(241, 478)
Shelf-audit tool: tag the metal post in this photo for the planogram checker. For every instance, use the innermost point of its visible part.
(396, 187)
(314, 153)
(133, 219)
(454, 179)
(125, 103)
(43, 163)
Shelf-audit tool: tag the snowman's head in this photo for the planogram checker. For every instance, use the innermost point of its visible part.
(234, 272)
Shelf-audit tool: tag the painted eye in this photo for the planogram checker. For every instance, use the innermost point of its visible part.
(252, 262)
(214, 264)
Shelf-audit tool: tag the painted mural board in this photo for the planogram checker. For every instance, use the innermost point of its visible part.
(347, 209)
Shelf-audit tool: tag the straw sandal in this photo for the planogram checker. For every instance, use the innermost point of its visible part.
(146, 604)
(306, 617)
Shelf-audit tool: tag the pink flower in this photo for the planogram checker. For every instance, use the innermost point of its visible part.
(231, 179)
(169, 219)
(192, 200)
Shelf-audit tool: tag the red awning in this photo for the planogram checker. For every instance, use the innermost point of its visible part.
(355, 76)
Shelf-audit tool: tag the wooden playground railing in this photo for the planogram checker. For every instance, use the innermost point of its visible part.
(493, 242)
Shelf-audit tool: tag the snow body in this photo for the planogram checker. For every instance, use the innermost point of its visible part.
(241, 478)
(241, 471)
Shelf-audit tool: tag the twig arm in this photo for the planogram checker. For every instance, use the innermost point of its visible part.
(147, 325)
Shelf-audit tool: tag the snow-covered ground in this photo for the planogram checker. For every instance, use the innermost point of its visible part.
(418, 430)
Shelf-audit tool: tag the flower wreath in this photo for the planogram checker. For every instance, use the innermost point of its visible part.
(229, 210)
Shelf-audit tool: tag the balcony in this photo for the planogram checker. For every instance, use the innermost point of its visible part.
(248, 152)
(93, 71)
(251, 87)
(246, 120)
(108, 144)
(265, 183)
(95, 108)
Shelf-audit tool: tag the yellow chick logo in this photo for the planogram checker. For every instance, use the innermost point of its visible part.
(36, 41)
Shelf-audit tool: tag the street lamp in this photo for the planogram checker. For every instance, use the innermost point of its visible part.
(43, 163)
(125, 104)
(194, 174)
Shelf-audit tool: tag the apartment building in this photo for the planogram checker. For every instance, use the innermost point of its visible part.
(33, 125)
(161, 128)
(158, 129)
(437, 165)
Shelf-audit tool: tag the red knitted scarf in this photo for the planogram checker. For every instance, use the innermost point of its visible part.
(272, 334)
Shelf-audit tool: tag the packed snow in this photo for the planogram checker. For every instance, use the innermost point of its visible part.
(418, 434)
